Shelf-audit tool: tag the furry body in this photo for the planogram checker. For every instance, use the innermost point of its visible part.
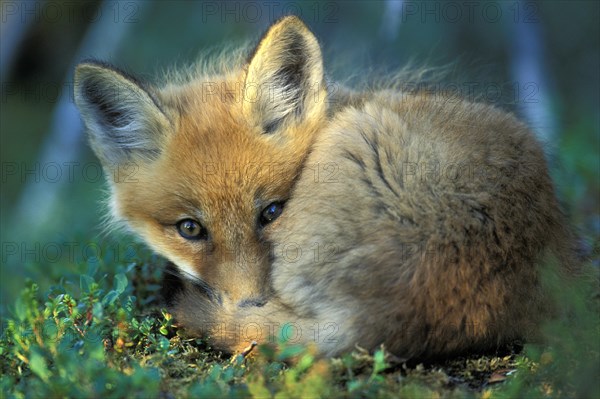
(411, 220)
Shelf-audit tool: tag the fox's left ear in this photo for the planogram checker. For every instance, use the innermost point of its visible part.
(124, 120)
(285, 80)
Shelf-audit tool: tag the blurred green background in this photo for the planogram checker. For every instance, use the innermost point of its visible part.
(538, 59)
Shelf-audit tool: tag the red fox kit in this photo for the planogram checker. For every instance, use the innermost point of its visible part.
(417, 221)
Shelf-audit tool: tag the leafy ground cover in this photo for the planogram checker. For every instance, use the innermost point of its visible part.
(103, 332)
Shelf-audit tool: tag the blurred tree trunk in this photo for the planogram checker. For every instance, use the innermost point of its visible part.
(534, 91)
(391, 18)
(63, 143)
(14, 29)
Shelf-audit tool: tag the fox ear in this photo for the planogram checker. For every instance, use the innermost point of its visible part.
(123, 119)
(285, 79)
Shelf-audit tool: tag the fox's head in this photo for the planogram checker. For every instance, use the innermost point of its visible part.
(202, 169)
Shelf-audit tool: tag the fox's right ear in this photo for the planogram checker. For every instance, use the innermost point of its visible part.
(124, 121)
(285, 81)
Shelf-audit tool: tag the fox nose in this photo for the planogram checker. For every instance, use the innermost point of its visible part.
(253, 302)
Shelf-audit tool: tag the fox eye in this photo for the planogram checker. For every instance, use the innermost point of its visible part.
(270, 213)
(191, 230)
